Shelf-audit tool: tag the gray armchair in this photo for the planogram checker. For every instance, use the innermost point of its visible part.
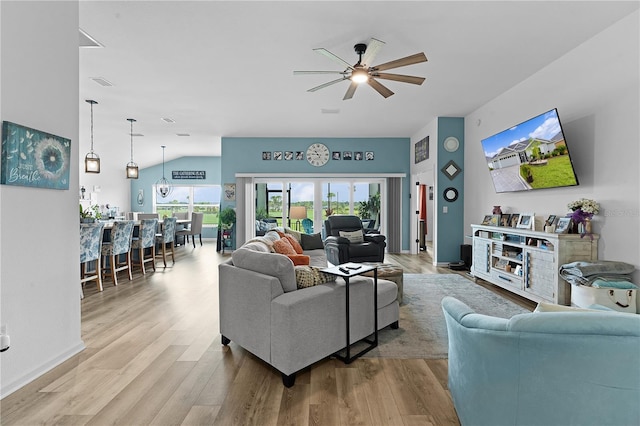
(340, 249)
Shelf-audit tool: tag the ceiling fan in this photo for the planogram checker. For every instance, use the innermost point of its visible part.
(363, 71)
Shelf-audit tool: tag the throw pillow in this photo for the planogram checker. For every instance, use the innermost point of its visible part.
(293, 232)
(309, 276)
(299, 259)
(294, 243)
(283, 246)
(273, 264)
(311, 242)
(353, 236)
(271, 236)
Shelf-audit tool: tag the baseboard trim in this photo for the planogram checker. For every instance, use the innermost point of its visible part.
(8, 389)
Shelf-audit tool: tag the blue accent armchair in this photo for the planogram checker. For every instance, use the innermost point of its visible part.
(544, 368)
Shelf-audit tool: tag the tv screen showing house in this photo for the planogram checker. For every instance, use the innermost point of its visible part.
(530, 155)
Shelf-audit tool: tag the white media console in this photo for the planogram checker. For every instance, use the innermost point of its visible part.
(526, 262)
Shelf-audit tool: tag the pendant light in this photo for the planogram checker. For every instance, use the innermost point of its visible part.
(163, 186)
(132, 168)
(92, 160)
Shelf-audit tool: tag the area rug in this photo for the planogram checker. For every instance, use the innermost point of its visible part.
(423, 331)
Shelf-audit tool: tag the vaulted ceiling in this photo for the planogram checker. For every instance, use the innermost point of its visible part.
(226, 68)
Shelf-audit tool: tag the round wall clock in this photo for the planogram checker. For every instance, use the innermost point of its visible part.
(450, 194)
(318, 154)
(451, 144)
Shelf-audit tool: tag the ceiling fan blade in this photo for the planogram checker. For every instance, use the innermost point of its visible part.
(409, 60)
(330, 55)
(372, 51)
(378, 87)
(398, 77)
(350, 91)
(319, 72)
(322, 86)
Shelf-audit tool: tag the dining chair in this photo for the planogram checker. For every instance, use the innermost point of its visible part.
(181, 215)
(147, 216)
(146, 240)
(194, 229)
(167, 236)
(120, 244)
(90, 246)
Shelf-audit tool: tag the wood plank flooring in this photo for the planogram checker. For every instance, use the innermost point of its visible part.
(154, 357)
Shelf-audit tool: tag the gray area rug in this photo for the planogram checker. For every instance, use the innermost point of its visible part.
(423, 331)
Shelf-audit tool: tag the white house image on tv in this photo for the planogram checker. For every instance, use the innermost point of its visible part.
(522, 152)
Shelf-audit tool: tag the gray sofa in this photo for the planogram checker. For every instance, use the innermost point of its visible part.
(263, 311)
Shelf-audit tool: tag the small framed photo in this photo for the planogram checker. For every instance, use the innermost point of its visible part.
(526, 221)
(277, 155)
(335, 155)
(266, 155)
(369, 156)
(495, 220)
(288, 155)
(487, 219)
(514, 220)
(564, 223)
(346, 155)
(550, 220)
(299, 155)
(357, 155)
(505, 220)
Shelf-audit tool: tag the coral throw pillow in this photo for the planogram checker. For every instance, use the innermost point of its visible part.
(299, 259)
(283, 246)
(294, 243)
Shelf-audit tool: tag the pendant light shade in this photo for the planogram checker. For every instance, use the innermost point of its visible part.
(132, 168)
(163, 186)
(92, 160)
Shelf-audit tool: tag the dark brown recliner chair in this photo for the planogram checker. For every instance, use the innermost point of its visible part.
(340, 250)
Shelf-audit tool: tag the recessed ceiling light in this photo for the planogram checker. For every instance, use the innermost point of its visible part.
(183, 134)
(168, 120)
(102, 81)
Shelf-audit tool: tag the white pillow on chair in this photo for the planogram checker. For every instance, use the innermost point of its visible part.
(353, 236)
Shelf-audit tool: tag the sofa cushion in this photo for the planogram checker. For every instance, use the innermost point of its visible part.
(272, 264)
(283, 246)
(271, 236)
(299, 259)
(308, 276)
(311, 242)
(353, 236)
(257, 246)
(297, 235)
(294, 243)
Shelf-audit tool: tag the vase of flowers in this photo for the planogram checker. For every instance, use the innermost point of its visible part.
(583, 211)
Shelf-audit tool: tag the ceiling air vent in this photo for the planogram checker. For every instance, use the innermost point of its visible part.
(102, 81)
(330, 111)
(168, 120)
(183, 134)
(137, 134)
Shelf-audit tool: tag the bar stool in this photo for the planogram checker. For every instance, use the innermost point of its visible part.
(167, 236)
(90, 247)
(120, 244)
(146, 240)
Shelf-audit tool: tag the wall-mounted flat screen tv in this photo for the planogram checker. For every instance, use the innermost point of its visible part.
(530, 155)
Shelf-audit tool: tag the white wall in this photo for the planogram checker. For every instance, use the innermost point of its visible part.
(39, 249)
(596, 90)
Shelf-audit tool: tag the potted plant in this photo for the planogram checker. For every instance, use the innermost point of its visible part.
(90, 215)
(227, 218)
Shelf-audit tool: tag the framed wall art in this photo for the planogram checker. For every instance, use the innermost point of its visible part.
(34, 158)
(229, 191)
(422, 150)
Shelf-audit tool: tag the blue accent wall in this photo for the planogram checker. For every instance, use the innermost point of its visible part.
(244, 155)
(450, 225)
(149, 176)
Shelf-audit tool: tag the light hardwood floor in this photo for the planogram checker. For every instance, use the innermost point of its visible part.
(153, 356)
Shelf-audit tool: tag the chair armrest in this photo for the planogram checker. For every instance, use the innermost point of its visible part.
(376, 238)
(336, 240)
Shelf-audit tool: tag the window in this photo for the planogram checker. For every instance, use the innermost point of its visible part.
(191, 198)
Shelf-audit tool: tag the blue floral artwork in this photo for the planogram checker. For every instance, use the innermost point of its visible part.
(34, 158)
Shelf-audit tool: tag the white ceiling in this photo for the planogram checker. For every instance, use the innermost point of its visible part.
(226, 68)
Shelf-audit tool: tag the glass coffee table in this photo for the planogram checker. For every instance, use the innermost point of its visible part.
(346, 271)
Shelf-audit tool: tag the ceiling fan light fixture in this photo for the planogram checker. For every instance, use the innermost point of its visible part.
(359, 75)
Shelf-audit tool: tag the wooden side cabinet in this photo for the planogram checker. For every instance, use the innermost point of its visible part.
(527, 262)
